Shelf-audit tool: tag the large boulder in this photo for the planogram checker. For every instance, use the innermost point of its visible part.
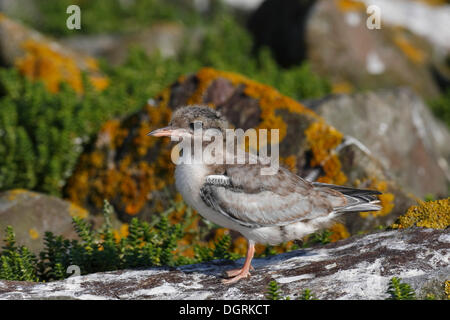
(355, 268)
(31, 214)
(135, 173)
(399, 129)
(409, 49)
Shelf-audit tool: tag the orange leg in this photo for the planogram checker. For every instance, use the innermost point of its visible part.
(238, 274)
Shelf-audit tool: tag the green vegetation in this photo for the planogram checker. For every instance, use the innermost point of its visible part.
(17, 263)
(307, 295)
(400, 291)
(107, 16)
(221, 250)
(99, 251)
(319, 237)
(273, 291)
(441, 107)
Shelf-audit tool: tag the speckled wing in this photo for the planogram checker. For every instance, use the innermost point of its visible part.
(253, 200)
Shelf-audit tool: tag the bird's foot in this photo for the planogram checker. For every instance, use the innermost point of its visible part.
(241, 274)
(235, 272)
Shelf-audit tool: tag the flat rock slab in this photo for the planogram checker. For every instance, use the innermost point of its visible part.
(355, 268)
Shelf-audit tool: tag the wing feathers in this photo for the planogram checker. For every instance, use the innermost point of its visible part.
(253, 201)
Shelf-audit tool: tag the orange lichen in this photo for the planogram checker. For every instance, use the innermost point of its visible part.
(33, 234)
(414, 54)
(350, 5)
(41, 62)
(338, 232)
(323, 139)
(290, 163)
(123, 232)
(386, 199)
(131, 178)
(270, 100)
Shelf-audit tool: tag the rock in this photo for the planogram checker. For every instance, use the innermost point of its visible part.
(334, 38)
(400, 131)
(31, 214)
(135, 173)
(167, 38)
(247, 5)
(39, 57)
(355, 268)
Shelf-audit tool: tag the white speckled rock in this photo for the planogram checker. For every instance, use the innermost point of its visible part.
(356, 268)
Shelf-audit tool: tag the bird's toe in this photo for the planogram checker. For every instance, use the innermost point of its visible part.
(236, 278)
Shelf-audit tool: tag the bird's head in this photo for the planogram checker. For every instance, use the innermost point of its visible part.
(187, 119)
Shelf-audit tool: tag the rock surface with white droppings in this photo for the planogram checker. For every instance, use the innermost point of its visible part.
(361, 269)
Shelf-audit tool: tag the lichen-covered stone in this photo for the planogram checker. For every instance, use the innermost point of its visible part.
(431, 214)
(355, 268)
(41, 58)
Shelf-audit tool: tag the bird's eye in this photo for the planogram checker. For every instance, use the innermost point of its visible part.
(195, 124)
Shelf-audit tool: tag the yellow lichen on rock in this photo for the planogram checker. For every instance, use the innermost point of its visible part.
(431, 214)
(41, 62)
(77, 211)
(270, 100)
(132, 179)
(323, 139)
(413, 53)
(13, 194)
(447, 288)
(350, 5)
(34, 235)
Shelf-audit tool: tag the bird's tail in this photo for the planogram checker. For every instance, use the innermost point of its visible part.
(358, 200)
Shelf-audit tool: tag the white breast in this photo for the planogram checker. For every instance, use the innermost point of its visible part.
(189, 178)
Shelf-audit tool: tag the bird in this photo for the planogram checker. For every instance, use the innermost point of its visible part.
(265, 209)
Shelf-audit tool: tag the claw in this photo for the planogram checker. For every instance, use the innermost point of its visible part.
(238, 277)
(235, 272)
(238, 274)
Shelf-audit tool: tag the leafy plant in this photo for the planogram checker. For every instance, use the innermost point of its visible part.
(273, 291)
(101, 250)
(17, 263)
(221, 250)
(307, 295)
(319, 237)
(400, 291)
(441, 107)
